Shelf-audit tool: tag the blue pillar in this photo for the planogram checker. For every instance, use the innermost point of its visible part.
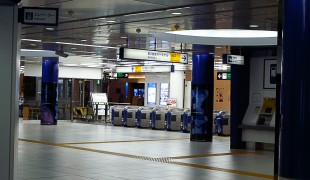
(202, 97)
(49, 91)
(294, 156)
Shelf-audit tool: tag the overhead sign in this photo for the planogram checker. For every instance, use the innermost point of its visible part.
(223, 76)
(233, 59)
(39, 16)
(143, 69)
(122, 75)
(172, 57)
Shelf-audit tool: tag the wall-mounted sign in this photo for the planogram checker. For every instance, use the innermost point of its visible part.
(233, 59)
(137, 69)
(173, 57)
(38, 16)
(172, 103)
(223, 75)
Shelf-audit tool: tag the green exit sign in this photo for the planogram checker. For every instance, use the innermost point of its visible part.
(122, 75)
(223, 76)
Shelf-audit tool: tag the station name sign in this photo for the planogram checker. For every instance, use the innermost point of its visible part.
(142, 69)
(38, 16)
(139, 54)
(233, 59)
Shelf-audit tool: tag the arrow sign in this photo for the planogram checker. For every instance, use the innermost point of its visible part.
(184, 58)
(219, 76)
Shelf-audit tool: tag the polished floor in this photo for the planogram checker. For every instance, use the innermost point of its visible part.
(79, 151)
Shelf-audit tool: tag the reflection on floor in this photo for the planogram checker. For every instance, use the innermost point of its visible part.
(76, 151)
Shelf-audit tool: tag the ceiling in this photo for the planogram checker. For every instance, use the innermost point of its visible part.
(93, 30)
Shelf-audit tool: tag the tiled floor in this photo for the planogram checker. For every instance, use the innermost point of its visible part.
(76, 151)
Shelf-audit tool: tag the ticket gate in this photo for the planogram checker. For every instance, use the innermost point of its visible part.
(158, 119)
(174, 119)
(144, 117)
(187, 119)
(117, 115)
(222, 123)
(129, 118)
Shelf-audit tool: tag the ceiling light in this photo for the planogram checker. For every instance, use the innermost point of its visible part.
(253, 25)
(83, 40)
(87, 45)
(49, 28)
(218, 47)
(124, 37)
(229, 37)
(33, 44)
(33, 40)
(110, 21)
(176, 13)
(73, 48)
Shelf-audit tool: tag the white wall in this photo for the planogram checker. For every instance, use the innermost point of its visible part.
(177, 87)
(188, 94)
(35, 70)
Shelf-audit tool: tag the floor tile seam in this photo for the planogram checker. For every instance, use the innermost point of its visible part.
(168, 161)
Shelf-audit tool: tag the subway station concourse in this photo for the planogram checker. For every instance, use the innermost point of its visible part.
(154, 89)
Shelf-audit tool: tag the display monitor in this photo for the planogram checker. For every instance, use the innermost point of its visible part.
(151, 93)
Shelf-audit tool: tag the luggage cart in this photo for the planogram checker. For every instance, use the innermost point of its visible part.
(117, 115)
(158, 119)
(174, 119)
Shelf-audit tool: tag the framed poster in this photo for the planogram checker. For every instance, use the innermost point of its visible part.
(270, 73)
(151, 93)
(164, 93)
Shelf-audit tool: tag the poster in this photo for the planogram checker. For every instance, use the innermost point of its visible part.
(171, 103)
(164, 93)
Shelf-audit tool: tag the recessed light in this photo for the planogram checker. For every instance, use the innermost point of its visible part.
(83, 40)
(253, 25)
(49, 28)
(111, 21)
(176, 13)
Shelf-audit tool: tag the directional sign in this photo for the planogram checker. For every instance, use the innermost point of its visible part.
(122, 75)
(223, 75)
(233, 59)
(38, 16)
(173, 57)
(144, 69)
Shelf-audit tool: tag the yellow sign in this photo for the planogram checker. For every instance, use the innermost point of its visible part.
(269, 105)
(175, 57)
(138, 68)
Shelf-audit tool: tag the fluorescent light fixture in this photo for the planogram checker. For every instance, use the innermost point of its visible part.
(253, 25)
(176, 13)
(110, 21)
(49, 28)
(33, 44)
(73, 48)
(33, 40)
(69, 64)
(87, 45)
(124, 37)
(218, 47)
(83, 40)
(220, 37)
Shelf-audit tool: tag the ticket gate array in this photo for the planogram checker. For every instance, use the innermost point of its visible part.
(221, 123)
(151, 117)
